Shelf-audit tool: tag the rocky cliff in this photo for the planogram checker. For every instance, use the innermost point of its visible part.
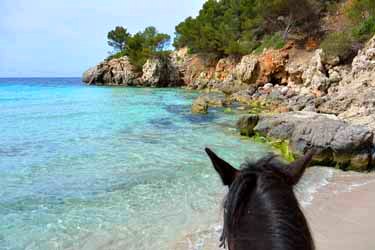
(286, 80)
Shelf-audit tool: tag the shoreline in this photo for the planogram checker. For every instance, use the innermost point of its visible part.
(338, 215)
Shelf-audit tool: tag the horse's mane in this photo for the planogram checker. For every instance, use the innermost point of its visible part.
(244, 187)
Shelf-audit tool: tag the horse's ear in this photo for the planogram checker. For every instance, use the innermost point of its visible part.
(225, 170)
(296, 169)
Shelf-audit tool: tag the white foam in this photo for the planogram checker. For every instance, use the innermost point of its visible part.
(314, 179)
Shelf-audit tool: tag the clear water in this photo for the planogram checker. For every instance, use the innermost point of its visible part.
(107, 168)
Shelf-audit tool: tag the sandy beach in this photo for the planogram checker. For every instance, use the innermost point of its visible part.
(339, 216)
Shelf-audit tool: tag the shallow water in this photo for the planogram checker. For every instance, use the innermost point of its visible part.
(109, 168)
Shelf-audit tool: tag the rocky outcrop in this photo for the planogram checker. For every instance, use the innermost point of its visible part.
(337, 141)
(365, 60)
(225, 67)
(353, 99)
(160, 72)
(198, 70)
(246, 70)
(315, 75)
(272, 67)
(114, 72)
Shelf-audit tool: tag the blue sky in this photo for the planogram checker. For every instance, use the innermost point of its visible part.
(64, 37)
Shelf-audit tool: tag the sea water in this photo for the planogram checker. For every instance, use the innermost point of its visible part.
(109, 168)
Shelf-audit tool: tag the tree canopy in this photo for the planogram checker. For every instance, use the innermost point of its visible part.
(238, 26)
(138, 47)
(118, 38)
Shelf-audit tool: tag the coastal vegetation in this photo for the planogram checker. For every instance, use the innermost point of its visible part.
(358, 17)
(240, 27)
(138, 47)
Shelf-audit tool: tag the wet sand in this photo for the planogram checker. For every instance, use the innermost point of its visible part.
(342, 213)
(341, 216)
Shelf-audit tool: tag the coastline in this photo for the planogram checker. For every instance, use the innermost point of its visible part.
(338, 215)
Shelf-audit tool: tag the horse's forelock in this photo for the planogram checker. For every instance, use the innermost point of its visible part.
(242, 189)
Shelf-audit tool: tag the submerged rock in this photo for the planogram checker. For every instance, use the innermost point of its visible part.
(203, 102)
(199, 106)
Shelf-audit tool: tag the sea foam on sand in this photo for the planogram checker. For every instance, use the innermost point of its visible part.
(337, 205)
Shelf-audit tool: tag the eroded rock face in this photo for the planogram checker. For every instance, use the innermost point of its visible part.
(272, 67)
(337, 141)
(160, 72)
(225, 67)
(198, 70)
(315, 73)
(114, 72)
(246, 70)
(89, 75)
(353, 99)
(365, 60)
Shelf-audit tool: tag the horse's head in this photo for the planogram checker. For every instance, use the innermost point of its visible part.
(267, 183)
(290, 173)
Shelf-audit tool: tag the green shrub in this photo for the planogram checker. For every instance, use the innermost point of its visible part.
(338, 44)
(274, 41)
(365, 30)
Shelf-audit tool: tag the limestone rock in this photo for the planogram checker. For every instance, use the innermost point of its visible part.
(89, 75)
(113, 72)
(225, 67)
(272, 65)
(365, 60)
(337, 141)
(315, 73)
(203, 102)
(246, 71)
(160, 72)
(199, 106)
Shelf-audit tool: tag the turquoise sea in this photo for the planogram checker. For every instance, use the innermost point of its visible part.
(109, 168)
(85, 166)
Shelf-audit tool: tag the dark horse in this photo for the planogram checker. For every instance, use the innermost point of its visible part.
(261, 211)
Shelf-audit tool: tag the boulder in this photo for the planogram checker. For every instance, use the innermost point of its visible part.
(337, 141)
(203, 102)
(244, 96)
(199, 106)
(246, 124)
